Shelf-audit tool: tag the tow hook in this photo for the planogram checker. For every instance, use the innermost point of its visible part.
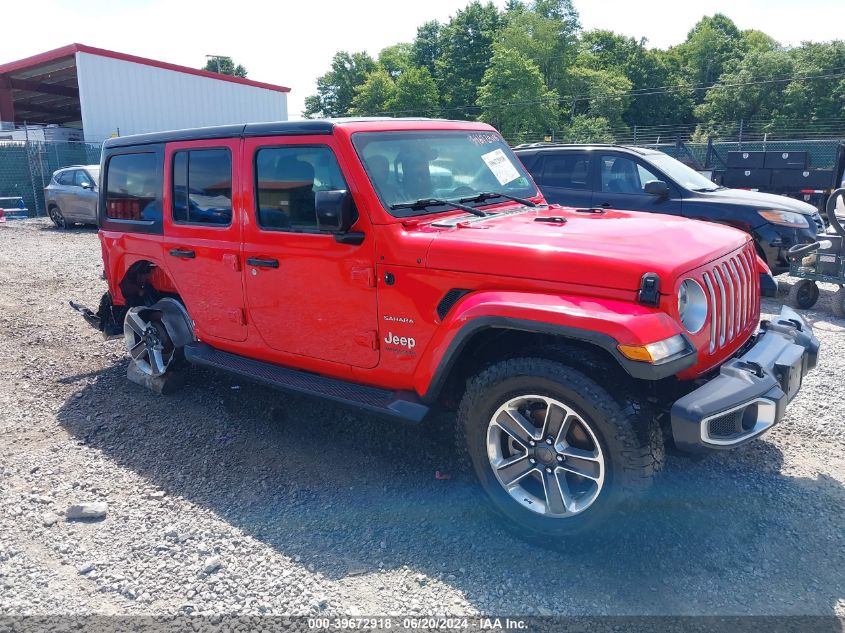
(754, 368)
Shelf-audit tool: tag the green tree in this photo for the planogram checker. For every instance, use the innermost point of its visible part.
(336, 88)
(426, 47)
(741, 93)
(514, 98)
(712, 47)
(821, 98)
(396, 59)
(224, 66)
(597, 93)
(645, 69)
(375, 95)
(415, 94)
(466, 49)
(587, 129)
(549, 42)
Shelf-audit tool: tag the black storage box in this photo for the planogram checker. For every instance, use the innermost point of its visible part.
(746, 160)
(747, 178)
(802, 179)
(786, 160)
(830, 260)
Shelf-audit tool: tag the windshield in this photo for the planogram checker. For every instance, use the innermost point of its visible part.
(681, 174)
(405, 167)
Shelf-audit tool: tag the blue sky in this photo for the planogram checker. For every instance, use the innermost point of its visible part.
(291, 43)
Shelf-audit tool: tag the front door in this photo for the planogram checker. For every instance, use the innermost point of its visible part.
(308, 293)
(620, 186)
(202, 235)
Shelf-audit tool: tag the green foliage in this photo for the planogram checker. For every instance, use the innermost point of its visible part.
(529, 67)
(374, 95)
(587, 129)
(416, 94)
(396, 59)
(224, 66)
(336, 89)
(513, 96)
(466, 48)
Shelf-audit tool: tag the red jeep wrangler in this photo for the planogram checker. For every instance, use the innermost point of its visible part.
(401, 265)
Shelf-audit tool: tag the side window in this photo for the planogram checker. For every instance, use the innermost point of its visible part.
(132, 182)
(66, 178)
(570, 171)
(286, 180)
(202, 186)
(81, 177)
(623, 175)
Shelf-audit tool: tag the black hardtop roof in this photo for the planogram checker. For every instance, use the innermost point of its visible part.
(583, 146)
(273, 128)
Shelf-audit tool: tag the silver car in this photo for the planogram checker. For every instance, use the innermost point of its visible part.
(71, 196)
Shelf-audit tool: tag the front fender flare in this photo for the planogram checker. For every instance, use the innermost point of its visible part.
(605, 323)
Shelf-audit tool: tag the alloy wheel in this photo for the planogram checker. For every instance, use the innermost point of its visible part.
(147, 342)
(545, 456)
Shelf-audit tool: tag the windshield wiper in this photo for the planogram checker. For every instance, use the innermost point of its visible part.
(488, 195)
(423, 203)
(699, 189)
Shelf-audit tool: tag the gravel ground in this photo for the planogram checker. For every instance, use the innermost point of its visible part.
(229, 498)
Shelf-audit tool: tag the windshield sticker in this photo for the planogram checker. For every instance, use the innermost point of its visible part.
(483, 138)
(501, 166)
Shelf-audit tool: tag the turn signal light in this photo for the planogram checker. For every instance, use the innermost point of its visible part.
(655, 352)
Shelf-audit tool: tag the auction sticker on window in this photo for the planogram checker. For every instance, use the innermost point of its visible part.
(501, 166)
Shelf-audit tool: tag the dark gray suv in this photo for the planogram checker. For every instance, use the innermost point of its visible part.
(71, 196)
(640, 179)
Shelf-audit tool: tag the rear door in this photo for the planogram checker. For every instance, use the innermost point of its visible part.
(564, 178)
(64, 192)
(620, 186)
(202, 234)
(309, 294)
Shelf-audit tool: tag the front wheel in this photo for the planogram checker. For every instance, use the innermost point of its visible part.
(555, 452)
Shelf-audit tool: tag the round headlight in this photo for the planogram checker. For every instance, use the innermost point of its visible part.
(692, 305)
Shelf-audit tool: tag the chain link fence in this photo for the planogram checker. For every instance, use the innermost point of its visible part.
(27, 166)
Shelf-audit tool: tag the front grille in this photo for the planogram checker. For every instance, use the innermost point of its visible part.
(726, 425)
(817, 220)
(733, 291)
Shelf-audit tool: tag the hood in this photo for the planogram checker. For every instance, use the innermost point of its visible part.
(611, 249)
(760, 201)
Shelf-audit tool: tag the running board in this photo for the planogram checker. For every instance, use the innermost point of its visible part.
(403, 405)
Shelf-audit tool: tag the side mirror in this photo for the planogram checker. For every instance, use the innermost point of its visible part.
(656, 188)
(335, 210)
(87, 185)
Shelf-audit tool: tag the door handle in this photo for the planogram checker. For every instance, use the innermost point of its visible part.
(264, 263)
(606, 205)
(183, 253)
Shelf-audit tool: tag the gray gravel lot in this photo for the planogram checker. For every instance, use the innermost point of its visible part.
(229, 498)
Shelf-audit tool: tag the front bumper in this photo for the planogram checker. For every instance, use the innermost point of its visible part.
(751, 392)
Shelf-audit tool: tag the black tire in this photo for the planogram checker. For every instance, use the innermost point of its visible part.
(58, 219)
(631, 440)
(803, 294)
(839, 303)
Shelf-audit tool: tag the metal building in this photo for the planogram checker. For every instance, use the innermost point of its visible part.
(94, 94)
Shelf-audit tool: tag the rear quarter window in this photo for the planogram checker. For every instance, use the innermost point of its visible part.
(133, 187)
